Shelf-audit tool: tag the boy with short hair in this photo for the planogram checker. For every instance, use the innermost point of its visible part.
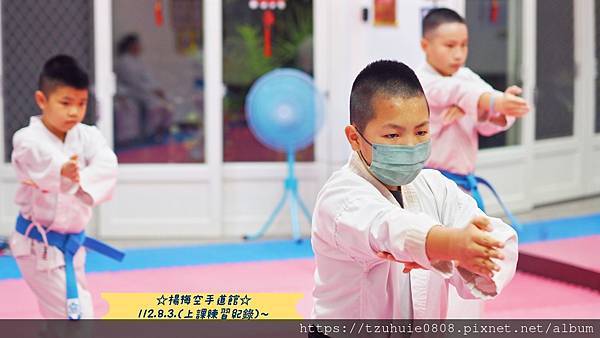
(382, 202)
(65, 169)
(462, 105)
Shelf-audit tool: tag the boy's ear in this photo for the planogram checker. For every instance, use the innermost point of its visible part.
(352, 136)
(40, 99)
(424, 43)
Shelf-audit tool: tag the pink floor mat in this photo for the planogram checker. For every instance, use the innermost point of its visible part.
(574, 251)
(527, 296)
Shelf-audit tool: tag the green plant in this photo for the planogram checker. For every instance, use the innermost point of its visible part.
(295, 27)
(244, 60)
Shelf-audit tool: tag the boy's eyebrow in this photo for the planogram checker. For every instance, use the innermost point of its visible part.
(422, 124)
(397, 126)
(394, 126)
(71, 98)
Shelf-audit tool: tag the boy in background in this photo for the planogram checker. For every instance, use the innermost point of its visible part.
(65, 169)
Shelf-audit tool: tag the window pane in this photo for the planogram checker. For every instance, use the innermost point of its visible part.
(495, 53)
(31, 34)
(555, 70)
(244, 62)
(159, 103)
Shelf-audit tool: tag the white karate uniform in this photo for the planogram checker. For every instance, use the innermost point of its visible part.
(356, 217)
(59, 204)
(454, 146)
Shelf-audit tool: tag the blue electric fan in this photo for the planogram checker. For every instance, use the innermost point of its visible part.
(285, 110)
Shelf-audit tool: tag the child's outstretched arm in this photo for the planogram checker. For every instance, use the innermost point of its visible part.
(508, 104)
(471, 97)
(414, 237)
(471, 247)
(360, 226)
(99, 177)
(506, 107)
(445, 92)
(457, 209)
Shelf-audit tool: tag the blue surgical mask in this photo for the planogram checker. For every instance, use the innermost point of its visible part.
(396, 165)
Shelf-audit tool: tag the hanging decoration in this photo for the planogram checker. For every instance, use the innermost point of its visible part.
(268, 19)
(494, 11)
(158, 13)
(385, 13)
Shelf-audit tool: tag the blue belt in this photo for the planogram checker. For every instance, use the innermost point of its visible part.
(469, 183)
(69, 244)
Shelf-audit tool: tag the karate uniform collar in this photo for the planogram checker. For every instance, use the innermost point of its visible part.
(36, 122)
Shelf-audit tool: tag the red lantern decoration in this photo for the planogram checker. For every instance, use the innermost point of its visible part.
(494, 11)
(268, 19)
(158, 13)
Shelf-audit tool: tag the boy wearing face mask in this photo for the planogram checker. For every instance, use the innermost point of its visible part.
(382, 201)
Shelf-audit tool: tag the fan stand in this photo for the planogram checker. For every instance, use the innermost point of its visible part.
(291, 192)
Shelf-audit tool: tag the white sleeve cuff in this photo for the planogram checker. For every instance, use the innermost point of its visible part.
(416, 239)
(485, 287)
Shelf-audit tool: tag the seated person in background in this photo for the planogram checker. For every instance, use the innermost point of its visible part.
(135, 83)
